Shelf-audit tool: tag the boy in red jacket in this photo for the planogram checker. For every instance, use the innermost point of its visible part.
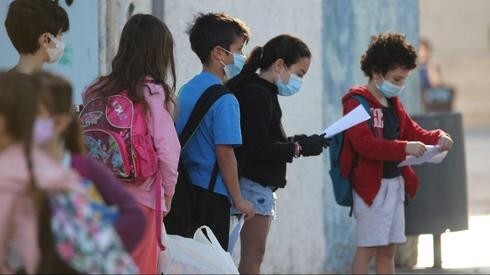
(371, 154)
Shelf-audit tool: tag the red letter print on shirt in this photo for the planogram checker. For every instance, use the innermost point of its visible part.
(378, 124)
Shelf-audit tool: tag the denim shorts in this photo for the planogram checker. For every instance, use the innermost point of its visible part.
(262, 198)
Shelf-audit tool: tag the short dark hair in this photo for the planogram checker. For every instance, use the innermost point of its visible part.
(28, 19)
(388, 51)
(215, 29)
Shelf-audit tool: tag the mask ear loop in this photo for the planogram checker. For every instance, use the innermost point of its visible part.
(228, 52)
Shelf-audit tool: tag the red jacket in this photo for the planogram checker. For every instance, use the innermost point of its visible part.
(373, 149)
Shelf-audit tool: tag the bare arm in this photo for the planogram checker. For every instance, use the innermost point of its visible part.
(229, 172)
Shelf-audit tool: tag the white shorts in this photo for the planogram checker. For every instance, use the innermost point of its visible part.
(383, 222)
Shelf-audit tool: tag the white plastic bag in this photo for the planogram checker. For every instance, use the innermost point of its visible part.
(198, 255)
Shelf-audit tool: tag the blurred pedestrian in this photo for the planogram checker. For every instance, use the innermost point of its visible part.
(58, 133)
(27, 176)
(429, 70)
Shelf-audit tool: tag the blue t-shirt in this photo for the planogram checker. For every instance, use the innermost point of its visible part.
(221, 126)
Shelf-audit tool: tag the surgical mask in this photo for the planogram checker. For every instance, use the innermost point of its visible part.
(389, 89)
(232, 70)
(290, 88)
(55, 53)
(43, 130)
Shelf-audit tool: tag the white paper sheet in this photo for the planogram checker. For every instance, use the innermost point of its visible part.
(235, 234)
(353, 118)
(432, 155)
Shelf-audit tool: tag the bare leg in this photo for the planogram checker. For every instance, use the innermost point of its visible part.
(253, 241)
(385, 259)
(362, 259)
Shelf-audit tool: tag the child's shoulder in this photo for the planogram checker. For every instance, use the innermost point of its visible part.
(153, 89)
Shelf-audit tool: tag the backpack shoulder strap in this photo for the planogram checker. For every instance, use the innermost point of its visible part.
(366, 106)
(203, 104)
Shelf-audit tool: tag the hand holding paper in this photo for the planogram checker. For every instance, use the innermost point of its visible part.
(432, 155)
(353, 118)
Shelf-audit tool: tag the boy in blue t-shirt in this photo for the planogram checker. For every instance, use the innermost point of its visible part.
(218, 40)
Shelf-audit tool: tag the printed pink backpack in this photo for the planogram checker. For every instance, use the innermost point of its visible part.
(116, 133)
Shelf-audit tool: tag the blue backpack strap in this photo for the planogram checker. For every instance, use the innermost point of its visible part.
(367, 107)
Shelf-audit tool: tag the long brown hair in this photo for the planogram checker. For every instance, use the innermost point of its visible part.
(146, 49)
(56, 94)
(18, 107)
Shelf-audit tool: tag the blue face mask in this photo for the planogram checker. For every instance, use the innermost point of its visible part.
(389, 89)
(231, 70)
(290, 88)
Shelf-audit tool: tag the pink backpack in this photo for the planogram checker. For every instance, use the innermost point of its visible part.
(116, 133)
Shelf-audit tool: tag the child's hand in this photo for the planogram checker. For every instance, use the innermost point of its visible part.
(445, 143)
(168, 203)
(415, 148)
(246, 208)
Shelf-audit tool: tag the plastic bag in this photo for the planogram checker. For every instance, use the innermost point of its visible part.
(199, 255)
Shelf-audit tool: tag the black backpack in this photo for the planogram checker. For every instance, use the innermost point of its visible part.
(180, 219)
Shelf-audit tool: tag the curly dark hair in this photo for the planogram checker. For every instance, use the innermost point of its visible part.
(388, 51)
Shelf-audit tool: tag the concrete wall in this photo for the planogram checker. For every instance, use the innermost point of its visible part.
(113, 15)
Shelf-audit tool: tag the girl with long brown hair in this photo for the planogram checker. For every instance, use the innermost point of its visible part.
(140, 71)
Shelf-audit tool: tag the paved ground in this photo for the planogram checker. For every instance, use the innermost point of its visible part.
(483, 270)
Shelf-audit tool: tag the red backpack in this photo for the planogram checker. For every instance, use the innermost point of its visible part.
(115, 133)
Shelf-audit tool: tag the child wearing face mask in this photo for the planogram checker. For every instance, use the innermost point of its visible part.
(57, 132)
(262, 159)
(27, 176)
(35, 29)
(217, 39)
(372, 151)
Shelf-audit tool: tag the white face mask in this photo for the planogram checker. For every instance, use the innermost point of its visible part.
(55, 53)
